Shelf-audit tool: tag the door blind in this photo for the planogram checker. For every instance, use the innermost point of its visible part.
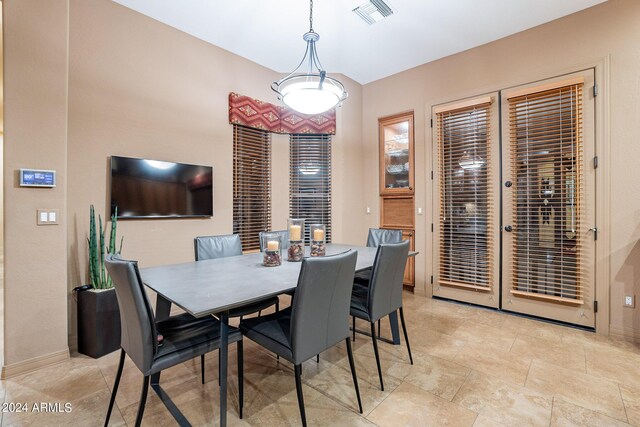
(310, 180)
(466, 195)
(251, 184)
(546, 146)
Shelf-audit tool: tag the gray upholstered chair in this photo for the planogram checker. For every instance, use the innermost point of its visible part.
(383, 296)
(317, 320)
(184, 337)
(284, 235)
(376, 237)
(212, 247)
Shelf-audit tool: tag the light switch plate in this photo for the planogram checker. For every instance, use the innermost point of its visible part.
(47, 217)
(629, 301)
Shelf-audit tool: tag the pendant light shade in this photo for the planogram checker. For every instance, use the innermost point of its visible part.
(307, 89)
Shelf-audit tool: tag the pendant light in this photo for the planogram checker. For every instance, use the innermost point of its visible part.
(308, 89)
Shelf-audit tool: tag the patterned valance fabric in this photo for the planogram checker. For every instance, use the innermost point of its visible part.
(247, 111)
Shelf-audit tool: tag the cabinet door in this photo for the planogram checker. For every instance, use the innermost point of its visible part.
(409, 272)
(396, 154)
(397, 212)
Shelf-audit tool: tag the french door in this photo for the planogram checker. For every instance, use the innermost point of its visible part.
(514, 216)
(548, 199)
(467, 193)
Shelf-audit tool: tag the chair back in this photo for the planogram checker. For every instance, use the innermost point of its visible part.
(137, 323)
(320, 307)
(385, 287)
(212, 247)
(378, 236)
(284, 238)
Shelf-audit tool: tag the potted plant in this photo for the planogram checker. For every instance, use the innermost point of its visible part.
(98, 313)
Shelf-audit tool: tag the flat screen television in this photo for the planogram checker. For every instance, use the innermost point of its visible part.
(143, 188)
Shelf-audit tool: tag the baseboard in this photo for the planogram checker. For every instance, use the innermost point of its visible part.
(30, 365)
(629, 334)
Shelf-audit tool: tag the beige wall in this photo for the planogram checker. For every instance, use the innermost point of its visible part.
(142, 89)
(128, 85)
(35, 135)
(136, 88)
(608, 32)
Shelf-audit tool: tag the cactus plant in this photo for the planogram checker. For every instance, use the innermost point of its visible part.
(98, 275)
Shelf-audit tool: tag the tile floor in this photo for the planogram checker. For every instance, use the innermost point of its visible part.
(473, 367)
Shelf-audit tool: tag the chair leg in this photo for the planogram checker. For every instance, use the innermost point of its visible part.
(375, 350)
(317, 358)
(115, 387)
(219, 364)
(143, 400)
(353, 373)
(353, 327)
(406, 336)
(298, 371)
(202, 367)
(277, 310)
(240, 377)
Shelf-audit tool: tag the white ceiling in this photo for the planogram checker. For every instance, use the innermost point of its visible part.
(269, 32)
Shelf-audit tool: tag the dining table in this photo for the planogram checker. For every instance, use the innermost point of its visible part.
(215, 286)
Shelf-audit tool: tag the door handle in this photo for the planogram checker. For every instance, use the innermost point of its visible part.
(508, 228)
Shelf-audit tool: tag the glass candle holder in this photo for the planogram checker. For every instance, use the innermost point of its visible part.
(272, 244)
(296, 239)
(318, 237)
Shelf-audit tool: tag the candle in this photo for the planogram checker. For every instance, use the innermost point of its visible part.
(294, 232)
(273, 245)
(318, 235)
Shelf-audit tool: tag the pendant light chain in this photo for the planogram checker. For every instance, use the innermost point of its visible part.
(311, 16)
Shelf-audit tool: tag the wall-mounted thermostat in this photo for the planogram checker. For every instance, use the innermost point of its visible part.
(37, 178)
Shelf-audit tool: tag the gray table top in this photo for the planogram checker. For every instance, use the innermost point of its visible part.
(212, 286)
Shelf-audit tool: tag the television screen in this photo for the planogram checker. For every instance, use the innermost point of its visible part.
(142, 188)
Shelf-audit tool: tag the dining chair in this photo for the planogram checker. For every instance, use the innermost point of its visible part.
(317, 320)
(376, 237)
(284, 238)
(184, 337)
(222, 246)
(383, 296)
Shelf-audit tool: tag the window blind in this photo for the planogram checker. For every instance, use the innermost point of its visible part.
(310, 180)
(467, 200)
(251, 184)
(546, 147)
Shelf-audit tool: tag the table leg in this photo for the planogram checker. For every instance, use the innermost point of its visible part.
(395, 331)
(163, 308)
(224, 351)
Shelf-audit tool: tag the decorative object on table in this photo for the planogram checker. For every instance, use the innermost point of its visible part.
(296, 239)
(97, 305)
(308, 89)
(318, 233)
(272, 255)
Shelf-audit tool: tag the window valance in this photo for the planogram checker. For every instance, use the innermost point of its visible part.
(251, 112)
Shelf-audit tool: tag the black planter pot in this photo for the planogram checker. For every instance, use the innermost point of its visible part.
(98, 322)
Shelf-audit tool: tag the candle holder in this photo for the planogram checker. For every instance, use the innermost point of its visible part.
(272, 244)
(318, 234)
(296, 239)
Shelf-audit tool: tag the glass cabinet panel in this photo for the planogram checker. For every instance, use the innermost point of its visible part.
(396, 154)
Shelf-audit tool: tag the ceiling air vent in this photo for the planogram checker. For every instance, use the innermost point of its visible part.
(373, 11)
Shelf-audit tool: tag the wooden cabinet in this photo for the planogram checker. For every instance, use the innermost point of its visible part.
(409, 272)
(396, 155)
(397, 205)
